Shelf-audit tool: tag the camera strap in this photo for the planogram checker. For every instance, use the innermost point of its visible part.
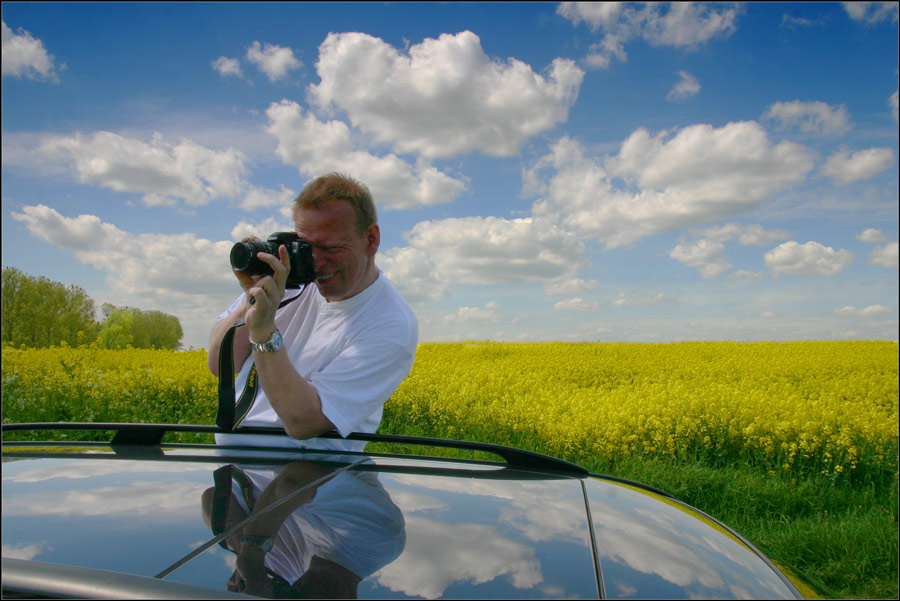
(225, 418)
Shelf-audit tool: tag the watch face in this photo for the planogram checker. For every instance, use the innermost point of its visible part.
(273, 344)
(276, 341)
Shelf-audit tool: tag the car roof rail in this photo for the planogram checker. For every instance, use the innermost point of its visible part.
(152, 434)
(512, 455)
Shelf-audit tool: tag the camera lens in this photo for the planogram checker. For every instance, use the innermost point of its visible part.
(241, 255)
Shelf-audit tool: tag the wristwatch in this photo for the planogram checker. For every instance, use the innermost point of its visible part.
(263, 542)
(272, 345)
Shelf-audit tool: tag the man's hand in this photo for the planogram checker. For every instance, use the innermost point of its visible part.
(265, 294)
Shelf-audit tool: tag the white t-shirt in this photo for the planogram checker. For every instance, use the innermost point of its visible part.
(354, 352)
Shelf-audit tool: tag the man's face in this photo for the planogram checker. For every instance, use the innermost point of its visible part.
(343, 259)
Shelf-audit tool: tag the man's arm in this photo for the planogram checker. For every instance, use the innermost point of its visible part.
(295, 400)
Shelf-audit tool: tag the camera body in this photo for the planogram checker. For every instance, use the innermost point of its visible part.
(243, 258)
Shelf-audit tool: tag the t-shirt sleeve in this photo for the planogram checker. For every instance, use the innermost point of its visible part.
(355, 385)
(237, 302)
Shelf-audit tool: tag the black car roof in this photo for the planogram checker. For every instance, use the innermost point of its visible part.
(479, 498)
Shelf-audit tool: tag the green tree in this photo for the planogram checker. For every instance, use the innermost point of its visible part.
(38, 312)
(140, 328)
(117, 329)
(156, 329)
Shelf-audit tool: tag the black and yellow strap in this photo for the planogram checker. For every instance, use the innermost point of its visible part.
(225, 416)
(228, 408)
(222, 496)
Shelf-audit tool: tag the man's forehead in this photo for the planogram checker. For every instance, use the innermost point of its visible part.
(333, 220)
(336, 206)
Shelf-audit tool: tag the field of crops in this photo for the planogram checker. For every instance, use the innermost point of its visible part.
(821, 409)
(793, 444)
(101, 385)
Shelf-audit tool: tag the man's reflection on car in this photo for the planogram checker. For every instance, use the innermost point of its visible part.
(313, 533)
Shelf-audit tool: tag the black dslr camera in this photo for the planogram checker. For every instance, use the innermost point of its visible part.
(243, 258)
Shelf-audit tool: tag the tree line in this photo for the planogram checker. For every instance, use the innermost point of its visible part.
(38, 312)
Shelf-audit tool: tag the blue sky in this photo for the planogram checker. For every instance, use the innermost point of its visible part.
(576, 172)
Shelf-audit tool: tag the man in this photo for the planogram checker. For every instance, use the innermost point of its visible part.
(332, 357)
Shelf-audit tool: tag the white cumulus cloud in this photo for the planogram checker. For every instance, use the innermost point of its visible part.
(135, 264)
(413, 273)
(683, 25)
(845, 167)
(809, 117)
(810, 259)
(23, 55)
(489, 313)
(703, 255)
(316, 147)
(163, 172)
(442, 97)
(662, 182)
(261, 229)
(494, 250)
(258, 198)
(228, 67)
(686, 87)
(482, 251)
(711, 164)
(885, 256)
(867, 312)
(872, 236)
(576, 304)
(872, 12)
(273, 60)
(565, 286)
(747, 235)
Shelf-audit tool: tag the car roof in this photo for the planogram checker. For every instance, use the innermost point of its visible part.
(408, 526)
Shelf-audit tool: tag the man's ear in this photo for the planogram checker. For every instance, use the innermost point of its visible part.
(373, 239)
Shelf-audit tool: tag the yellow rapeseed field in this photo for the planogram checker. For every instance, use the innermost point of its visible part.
(94, 384)
(810, 408)
(828, 408)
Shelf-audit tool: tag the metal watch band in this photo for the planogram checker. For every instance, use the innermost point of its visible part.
(263, 542)
(273, 344)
